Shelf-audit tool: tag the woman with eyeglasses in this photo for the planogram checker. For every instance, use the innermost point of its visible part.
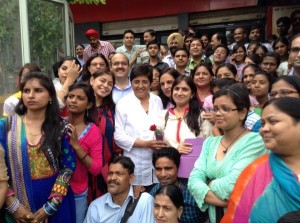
(285, 86)
(95, 63)
(224, 157)
(269, 187)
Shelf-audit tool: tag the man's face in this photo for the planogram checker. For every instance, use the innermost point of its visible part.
(118, 179)
(148, 37)
(294, 57)
(196, 48)
(181, 58)
(166, 171)
(214, 42)
(282, 29)
(295, 21)
(93, 42)
(173, 46)
(220, 55)
(239, 35)
(119, 65)
(255, 35)
(153, 50)
(128, 39)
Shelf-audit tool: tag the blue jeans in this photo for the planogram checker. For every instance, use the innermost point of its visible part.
(81, 206)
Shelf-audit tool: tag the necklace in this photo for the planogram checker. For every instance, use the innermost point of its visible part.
(25, 121)
(227, 147)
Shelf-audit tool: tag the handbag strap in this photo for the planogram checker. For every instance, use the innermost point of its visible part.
(130, 209)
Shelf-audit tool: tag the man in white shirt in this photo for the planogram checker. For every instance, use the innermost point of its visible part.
(110, 208)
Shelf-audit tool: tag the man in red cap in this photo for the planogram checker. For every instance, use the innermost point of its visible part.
(96, 46)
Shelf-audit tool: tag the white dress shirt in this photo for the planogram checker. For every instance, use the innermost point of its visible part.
(131, 123)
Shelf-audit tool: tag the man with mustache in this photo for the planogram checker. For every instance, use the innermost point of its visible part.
(166, 162)
(174, 40)
(120, 68)
(96, 46)
(110, 207)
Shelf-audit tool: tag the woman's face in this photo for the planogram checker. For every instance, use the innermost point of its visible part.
(102, 85)
(166, 81)
(226, 117)
(155, 82)
(182, 94)
(165, 211)
(141, 87)
(63, 71)
(35, 96)
(278, 131)
(269, 64)
(240, 55)
(248, 77)
(205, 41)
(281, 89)
(224, 72)
(251, 48)
(248, 61)
(260, 52)
(79, 51)
(260, 85)
(96, 64)
(281, 49)
(202, 77)
(77, 101)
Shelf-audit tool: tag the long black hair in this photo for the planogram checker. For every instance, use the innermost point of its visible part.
(53, 124)
(193, 115)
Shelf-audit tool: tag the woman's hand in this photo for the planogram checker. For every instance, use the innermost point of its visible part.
(72, 133)
(210, 116)
(185, 148)
(73, 71)
(40, 216)
(156, 144)
(22, 215)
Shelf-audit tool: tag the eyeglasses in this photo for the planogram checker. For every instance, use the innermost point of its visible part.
(223, 110)
(295, 49)
(282, 92)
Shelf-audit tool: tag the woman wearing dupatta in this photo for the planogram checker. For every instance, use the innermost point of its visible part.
(38, 155)
(223, 158)
(270, 187)
(102, 83)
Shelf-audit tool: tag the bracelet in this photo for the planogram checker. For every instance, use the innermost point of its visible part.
(50, 207)
(13, 207)
(84, 157)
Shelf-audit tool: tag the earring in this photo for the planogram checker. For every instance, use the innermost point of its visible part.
(50, 102)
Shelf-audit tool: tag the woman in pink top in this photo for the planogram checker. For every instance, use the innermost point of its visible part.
(86, 140)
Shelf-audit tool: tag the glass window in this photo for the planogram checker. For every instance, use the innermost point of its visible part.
(46, 33)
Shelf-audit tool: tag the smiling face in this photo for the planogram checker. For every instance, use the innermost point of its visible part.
(165, 211)
(166, 81)
(202, 77)
(196, 48)
(120, 65)
(294, 56)
(141, 87)
(35, 96)
(102, 85)
(240, 55)
(182, 94)
(220, 55)
(278, 131)
(166, 171)
(239, 35)
(283, 89)
(128, 39)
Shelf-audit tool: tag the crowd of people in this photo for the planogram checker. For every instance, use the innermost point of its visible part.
(107, 139)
